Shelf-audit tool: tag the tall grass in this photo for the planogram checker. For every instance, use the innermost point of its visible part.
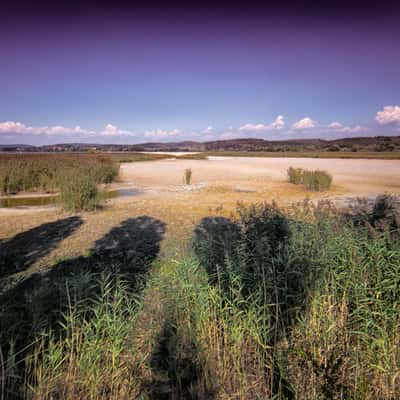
(48, 172)
(93, 359)
(299, 303)
(295, 175)
(79, 192)
(188, 176)
(313, 180)
(75, 176)
(325, 303)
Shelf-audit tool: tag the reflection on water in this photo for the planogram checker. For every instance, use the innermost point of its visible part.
(28, 201)
(35, 201)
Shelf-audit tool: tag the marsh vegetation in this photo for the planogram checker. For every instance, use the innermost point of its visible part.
(316, 180)
(76, 177)
(188, 176)
(294, 303)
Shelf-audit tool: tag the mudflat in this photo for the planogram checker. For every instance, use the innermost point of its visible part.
(353, 177)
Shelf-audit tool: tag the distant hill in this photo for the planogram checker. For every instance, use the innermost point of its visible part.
(355, 144)
(16, 147)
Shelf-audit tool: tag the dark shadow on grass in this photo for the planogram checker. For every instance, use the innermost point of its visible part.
(176, 369)
(254, 249)
(216, 245)
(37, 304)
(24, 249)
(280, 263)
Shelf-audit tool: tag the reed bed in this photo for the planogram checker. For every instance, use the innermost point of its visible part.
(47, 172)
(317, 180)
(301, 303)
(75, 176)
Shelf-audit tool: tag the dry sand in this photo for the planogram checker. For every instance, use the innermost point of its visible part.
(354, 177)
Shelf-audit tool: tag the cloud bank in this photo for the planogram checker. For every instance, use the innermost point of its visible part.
(22, 129)
(387, 121)
(162, 134)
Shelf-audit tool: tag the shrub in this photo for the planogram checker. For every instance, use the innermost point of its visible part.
(188, 176)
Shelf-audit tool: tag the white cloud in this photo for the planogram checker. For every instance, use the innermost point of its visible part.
(253, 127)
(305, 123)
(162, 134)
(335, 125)
(112, 130)
(389, 115)
(279, 123)
(339, 127)
(353, 129)
(18, 128)
(22, 129)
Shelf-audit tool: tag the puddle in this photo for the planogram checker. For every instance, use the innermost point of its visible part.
(28, 201)
(112, 194)
(40, 201)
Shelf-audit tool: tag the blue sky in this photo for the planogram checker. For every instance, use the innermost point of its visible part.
(112, 79)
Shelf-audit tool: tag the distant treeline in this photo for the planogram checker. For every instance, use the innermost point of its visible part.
(349, 145)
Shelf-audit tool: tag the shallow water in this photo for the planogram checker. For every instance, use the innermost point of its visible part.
(33, 201)
(40, 201)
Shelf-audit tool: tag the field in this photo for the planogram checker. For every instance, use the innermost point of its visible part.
(178, 292)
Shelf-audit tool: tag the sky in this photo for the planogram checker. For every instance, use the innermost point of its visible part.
(95, 73)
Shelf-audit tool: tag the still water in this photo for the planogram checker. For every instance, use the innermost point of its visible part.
(34, 201)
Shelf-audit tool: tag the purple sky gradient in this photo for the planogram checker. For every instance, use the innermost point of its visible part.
(119, 74)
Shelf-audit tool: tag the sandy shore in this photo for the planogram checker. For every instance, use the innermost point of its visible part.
(354, 177)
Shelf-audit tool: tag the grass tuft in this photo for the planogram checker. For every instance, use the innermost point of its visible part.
(317, 180)
(188, 176)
